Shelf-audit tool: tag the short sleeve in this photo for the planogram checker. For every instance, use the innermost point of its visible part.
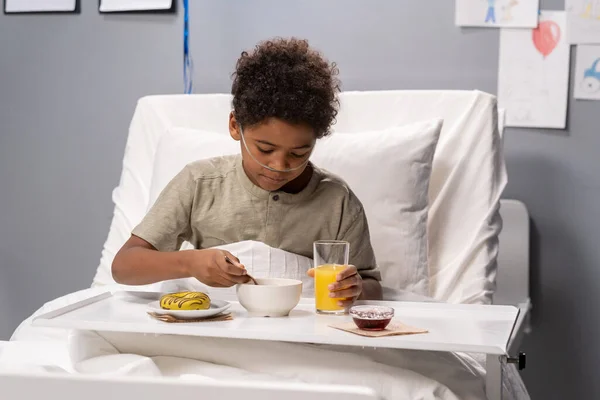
(355, 230)
(167, 224)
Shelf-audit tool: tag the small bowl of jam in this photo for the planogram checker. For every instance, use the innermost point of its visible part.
(371, 318)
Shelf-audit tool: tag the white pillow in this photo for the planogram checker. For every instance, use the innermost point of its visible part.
(388, 170)
(181, 146)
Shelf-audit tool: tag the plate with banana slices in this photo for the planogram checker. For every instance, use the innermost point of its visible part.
(190, 305)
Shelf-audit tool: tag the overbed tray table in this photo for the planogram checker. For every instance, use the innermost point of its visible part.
(452, 327)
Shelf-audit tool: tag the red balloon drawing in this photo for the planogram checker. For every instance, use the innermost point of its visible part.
(546, 36)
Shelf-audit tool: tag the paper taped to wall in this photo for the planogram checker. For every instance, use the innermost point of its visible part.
(134, 5)
(17, 6)
(583, 20)
(497, 13)
(587, 73)
(533, 76)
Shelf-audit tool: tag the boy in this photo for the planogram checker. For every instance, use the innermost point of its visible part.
(284, 99)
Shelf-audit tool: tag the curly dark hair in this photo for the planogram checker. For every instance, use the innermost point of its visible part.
(286, 79)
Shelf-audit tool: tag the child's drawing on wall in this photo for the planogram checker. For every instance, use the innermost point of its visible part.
(498, 13)
(508, 12)
(591, 9)
(587, 72)
(583, 17)
(491, 11)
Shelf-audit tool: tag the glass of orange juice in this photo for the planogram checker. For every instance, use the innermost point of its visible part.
(330, 258)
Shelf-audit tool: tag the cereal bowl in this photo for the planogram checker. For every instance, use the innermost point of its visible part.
(272, 297)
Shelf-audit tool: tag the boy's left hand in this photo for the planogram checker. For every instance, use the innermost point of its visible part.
(347, 288)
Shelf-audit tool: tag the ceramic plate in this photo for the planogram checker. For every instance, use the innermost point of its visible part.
(216, 307)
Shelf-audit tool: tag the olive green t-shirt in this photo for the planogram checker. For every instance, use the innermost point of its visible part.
(213, 203)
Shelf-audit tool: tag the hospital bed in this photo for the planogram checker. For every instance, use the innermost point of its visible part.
(485, 259)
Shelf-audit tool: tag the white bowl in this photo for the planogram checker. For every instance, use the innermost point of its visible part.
(272, 297)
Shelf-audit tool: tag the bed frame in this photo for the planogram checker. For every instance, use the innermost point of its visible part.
(513, 266)
(512, 288)
(77, 387)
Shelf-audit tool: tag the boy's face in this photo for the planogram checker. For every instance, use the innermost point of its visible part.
(277, 145)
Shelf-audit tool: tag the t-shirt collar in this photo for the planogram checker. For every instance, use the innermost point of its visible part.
(283, 196)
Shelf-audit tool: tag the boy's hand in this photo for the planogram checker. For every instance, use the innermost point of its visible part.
(348, 286)
(210, 267)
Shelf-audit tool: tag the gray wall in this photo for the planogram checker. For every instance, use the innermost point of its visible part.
(68, 86)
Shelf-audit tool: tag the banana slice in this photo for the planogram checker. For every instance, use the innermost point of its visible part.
(185, 301)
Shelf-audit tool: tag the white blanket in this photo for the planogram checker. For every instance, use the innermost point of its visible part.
(392, 373)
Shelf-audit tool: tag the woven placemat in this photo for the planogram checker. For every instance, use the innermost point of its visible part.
(172, 319)
(395, 328)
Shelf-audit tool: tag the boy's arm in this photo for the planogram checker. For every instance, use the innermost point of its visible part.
(139, 263)
(362, 256)
(164, 228)
(371, 290)
(152, 252)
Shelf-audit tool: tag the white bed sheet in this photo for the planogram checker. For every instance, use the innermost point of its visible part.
(392, 373)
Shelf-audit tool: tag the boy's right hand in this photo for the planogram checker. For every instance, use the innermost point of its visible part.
(210, 267)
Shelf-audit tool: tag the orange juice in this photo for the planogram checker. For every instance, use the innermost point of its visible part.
(324, 276)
